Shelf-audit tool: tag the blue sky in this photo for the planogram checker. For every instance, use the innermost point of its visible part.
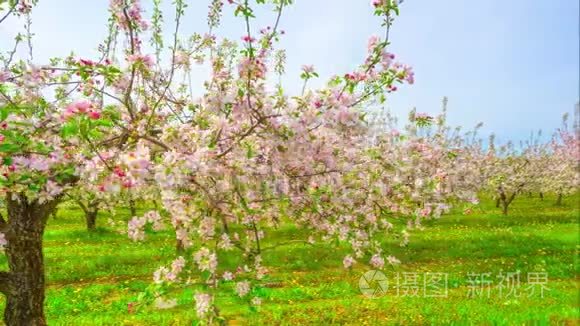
(510, 64)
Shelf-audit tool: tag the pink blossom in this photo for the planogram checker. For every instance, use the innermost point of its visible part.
(161, 303)
(243, 288)
(182, 236)
(53, 189)
(38, 163)
(377, 261)
(159, 275)
(377, 3)
(112, 187)
(78, 107)
(154, 218)
(422, 116)
(393, 261)
(202, 304)
(409, 75)
(308, 68)
(177, 265)
(135, 228)
(4, 75)
(83, 106)
(181, 58)
(248, 39)
(85, 62)
(372, 43)
(205, 260)
(228, 276)
(146, 60)
(425, 212)
(94, 115)
(345, 116)
(225, 242)
(474, 201)
(348, 261)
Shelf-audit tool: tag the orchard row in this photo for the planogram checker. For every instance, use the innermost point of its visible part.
(242, 159)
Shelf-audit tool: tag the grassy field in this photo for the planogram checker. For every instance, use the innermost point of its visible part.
(93, 276)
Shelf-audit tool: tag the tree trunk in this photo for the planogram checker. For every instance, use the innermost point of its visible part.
(179, 247)
(24, 284)
(559, 200)
(504, 202)
(91, 209)
(542, 196)
(504, 208)
(132, 207)
(91, 218)
(507, 201)
(497, 202)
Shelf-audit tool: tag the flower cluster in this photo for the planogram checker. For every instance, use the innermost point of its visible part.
(81, 108)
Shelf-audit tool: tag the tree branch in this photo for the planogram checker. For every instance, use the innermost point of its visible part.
(7, 14)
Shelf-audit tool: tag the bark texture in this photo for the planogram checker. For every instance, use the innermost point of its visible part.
(24, 284)
(91, 219)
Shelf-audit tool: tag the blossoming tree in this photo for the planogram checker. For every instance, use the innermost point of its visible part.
(561, 170)
(228, 166)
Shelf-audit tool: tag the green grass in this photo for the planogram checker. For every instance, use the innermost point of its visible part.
(93, 276)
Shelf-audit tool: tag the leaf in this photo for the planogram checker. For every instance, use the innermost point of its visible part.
(9, 148)
(3, 113)
(103, 123)
(70, 129)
